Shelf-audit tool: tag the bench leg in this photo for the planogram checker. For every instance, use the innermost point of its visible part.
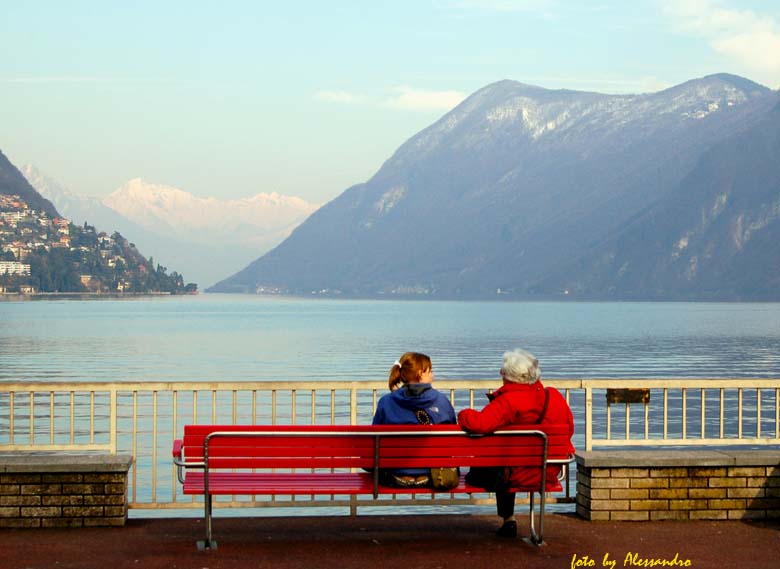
(208, 543)
(534, 537)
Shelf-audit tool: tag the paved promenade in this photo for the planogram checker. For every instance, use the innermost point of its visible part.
(393, 542)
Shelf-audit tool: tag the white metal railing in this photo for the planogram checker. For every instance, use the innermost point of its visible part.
(143, 418)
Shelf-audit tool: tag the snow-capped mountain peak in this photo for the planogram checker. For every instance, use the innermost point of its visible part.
(163, 208)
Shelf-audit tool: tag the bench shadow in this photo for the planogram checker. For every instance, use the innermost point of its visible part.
(764, 508)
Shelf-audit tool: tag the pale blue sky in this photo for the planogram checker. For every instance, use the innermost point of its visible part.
(233, 98)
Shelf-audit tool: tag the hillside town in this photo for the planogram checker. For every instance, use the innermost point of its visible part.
(42, 254)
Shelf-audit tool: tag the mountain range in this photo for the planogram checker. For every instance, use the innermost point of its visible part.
(205, 238)
(526, 192)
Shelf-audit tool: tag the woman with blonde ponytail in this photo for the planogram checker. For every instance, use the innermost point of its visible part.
(412, 401)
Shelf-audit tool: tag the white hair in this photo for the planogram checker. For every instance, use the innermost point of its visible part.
(520, 367)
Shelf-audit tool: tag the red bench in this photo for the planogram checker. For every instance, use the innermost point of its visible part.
(266, 460)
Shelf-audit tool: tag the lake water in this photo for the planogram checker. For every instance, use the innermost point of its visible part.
(253, 338)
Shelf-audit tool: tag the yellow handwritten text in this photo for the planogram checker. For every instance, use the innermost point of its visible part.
(583, 561)
(631, 560)
(634, 560)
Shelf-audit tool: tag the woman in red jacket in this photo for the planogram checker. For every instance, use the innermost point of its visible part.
(522, 400)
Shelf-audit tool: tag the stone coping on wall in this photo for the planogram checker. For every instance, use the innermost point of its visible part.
(24, 462)
(671, 458)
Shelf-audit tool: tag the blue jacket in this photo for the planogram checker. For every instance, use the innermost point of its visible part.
(398, 408)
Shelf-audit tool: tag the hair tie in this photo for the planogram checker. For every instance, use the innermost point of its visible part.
(397, 363)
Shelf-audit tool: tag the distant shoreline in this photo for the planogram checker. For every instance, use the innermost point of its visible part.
(19, 297)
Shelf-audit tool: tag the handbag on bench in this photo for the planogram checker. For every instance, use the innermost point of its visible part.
(443, 477)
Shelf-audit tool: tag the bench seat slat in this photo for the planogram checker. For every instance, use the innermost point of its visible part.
(221, 483)
(237, 462)
(217, 450)
(204, 430)
(414, 457)
(398, 462)
(297, 484)
(276, 440)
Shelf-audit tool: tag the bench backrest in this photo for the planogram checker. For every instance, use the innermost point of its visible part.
(355, 446)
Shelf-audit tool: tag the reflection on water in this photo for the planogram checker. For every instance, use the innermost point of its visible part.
(247, 338)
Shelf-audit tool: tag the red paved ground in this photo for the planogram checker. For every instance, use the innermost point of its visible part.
(392, 542)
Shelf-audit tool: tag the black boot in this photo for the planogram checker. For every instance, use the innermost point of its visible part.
(509, 529)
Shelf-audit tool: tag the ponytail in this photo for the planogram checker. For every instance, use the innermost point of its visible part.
(408, 369)
(395, 377)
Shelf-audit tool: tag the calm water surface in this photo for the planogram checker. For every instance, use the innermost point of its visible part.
(247, 338)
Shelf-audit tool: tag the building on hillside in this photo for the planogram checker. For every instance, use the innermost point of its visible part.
(12, 218)
(19, 249)
(14, 268)
(90, 282)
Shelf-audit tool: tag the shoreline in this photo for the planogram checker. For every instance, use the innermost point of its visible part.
(22, 297)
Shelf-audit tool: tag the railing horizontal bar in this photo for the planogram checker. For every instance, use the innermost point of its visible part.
(441, 384)
(48, 447)
(683, 442)
(122, 387)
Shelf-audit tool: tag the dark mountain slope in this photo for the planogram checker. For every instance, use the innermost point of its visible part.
(716, 236)
(514, 185)
(12, 182)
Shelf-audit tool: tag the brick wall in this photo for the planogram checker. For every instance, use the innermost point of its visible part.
(678, 485)
(58, 490)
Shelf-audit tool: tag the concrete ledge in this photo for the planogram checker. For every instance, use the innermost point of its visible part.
(676, 458)
(655, 458)
(756, 457)
(22, 462)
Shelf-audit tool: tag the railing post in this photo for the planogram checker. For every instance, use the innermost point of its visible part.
(353, 405)
(113, 413)
(11, 415)
(32, 418)
(588, 417)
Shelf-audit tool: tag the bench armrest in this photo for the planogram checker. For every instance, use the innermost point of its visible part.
(177, 444)
(561, 461)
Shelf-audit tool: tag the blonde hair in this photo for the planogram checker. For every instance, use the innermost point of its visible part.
(520, 367)
(412, 366)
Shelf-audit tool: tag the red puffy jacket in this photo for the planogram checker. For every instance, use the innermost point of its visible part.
(521, 404)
